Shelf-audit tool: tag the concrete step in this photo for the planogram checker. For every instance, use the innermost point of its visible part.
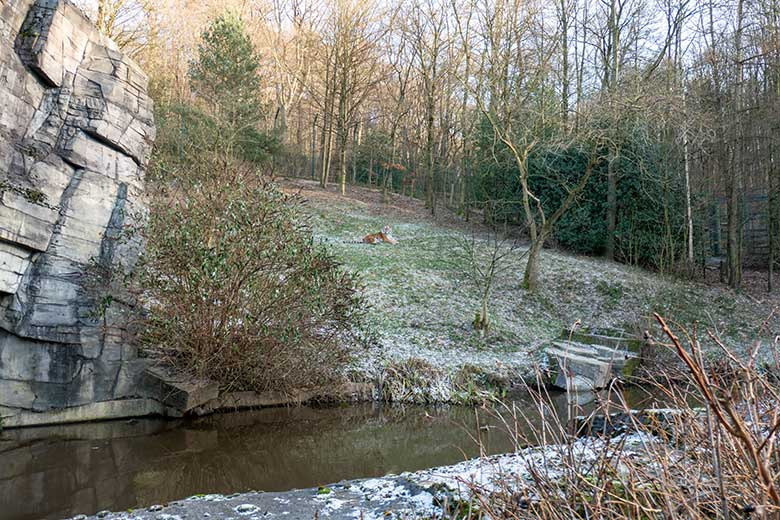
(631, 343)
(577, 365)
(574, 372)
(178, 392)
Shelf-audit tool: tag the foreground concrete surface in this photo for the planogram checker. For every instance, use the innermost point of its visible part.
(395, 497)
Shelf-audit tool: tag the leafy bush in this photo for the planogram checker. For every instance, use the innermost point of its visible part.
(650, 196)
(236, 290)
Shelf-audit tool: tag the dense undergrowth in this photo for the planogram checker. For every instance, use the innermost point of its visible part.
(234, 288)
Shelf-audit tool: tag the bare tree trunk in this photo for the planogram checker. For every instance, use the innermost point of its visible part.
(314, 146)
(774, 173)
(370, 168)
(611, 74)
(462, 202)
(430, 196)
(328, 155)
(565, 82)
(735, 179)
(343, 163)
(772, 222)
(357, 137)
(609, 250)
(581, 65)
(327, 124)
(688, 209)
(732, 243)
(341, 123)
(485, 325)
(531, 274)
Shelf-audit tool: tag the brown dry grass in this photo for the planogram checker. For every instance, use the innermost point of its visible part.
(715, 461)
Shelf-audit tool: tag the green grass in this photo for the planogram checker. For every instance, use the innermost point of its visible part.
(422, 305)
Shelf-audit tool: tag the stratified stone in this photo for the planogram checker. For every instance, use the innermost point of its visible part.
(14, 262)
(76, 131)
(586, 367)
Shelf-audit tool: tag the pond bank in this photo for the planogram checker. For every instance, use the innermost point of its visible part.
(63, 471)
(428, 493)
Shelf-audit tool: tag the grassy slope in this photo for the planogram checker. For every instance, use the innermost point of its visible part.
(422, 306)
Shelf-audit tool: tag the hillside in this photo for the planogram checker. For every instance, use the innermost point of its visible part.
(422, 305)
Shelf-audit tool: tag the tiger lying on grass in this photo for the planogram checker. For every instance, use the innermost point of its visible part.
(382, 236)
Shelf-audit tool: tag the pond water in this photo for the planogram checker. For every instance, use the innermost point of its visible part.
(58, 472)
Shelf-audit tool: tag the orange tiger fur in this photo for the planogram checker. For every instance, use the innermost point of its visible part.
(382, 236)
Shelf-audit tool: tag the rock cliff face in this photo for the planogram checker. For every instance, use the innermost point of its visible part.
(76, 130)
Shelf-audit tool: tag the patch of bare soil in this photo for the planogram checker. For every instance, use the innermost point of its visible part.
(370, 201)
(754, 283)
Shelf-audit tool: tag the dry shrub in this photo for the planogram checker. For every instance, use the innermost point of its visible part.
(238, 292)
(712, 454)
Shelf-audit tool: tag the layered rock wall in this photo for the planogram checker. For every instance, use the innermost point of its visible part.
(76, 130)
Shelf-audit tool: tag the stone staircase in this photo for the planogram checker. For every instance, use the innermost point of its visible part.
(586, 361)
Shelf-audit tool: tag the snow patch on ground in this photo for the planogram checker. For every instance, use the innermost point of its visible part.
(422, 304)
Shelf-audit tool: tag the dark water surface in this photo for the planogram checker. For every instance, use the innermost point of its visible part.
(58, 472)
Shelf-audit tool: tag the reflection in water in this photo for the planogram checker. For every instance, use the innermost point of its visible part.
(57, 472)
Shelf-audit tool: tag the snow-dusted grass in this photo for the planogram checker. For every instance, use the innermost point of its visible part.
(422, 305)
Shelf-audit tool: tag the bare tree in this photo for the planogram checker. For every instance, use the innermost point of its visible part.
(699, 81)
(124, 21)
(427, 33)
(485, 259)
(351, 71)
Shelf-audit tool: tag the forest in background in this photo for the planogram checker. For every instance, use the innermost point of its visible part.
(640, 130)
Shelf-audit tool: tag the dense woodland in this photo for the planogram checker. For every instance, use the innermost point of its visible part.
(641, 130)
